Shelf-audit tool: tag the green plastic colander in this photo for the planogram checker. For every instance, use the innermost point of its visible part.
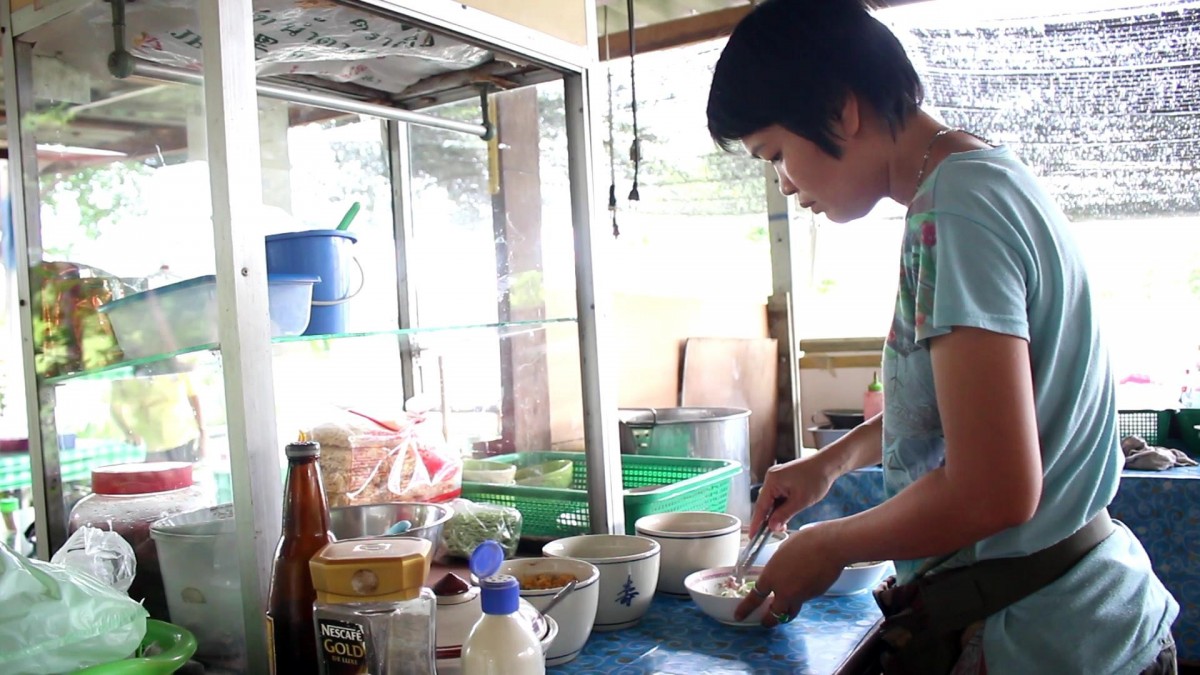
(177, 645)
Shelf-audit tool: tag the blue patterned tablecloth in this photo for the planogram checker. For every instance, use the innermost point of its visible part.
(675, 637)
(1161, 507)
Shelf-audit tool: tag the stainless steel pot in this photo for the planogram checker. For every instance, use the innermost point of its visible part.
(714, 433)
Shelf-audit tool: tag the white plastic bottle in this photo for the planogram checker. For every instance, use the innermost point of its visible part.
(499, 643)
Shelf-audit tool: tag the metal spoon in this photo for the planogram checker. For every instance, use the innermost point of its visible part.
(566, 590)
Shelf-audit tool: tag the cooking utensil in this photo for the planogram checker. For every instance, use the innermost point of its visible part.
(349, 217)
(373, 520)
(566, 590)
(399, 528)
(843, 418)
(757, 541)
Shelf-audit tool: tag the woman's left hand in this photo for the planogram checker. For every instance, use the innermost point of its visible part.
(801, 569)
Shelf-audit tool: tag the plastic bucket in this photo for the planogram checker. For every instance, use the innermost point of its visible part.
(326, 254)
(198, 559)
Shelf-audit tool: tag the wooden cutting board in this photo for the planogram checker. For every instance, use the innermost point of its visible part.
(737, 373)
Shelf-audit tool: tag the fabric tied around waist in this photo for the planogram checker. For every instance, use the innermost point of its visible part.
(922, 631)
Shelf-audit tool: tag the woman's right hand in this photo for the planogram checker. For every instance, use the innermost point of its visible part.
(800, 483)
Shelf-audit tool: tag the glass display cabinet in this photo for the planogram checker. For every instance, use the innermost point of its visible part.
(163, 155)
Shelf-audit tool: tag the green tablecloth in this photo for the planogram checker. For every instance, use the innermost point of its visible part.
(77, 463)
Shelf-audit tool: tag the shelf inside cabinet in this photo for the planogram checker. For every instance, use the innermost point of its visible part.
(202, 353)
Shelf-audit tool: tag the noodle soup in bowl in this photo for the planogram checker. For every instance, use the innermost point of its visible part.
(713, 593)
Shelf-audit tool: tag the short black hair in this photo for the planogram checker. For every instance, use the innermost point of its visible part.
(792, 63)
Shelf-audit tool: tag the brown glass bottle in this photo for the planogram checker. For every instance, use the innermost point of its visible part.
(305, 531)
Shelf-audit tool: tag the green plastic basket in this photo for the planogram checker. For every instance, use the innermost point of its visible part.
(1153, 426)
(1186, 421)
(684, 484)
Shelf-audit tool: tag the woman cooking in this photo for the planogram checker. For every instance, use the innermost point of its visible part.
(998, 441)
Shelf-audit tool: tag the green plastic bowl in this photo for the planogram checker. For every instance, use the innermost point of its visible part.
(556, 473)
(177, 645)
(488, 471)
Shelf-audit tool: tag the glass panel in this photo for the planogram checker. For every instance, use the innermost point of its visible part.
(317, 198)
(317, 382)
(493, 242)
(124, 208)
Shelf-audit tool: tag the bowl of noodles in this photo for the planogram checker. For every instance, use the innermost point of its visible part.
(541, 579)
(716, 595)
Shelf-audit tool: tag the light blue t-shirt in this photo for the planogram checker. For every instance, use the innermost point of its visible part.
(985, 247)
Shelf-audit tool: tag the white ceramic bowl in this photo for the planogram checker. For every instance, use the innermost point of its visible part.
(690, 541)
(704, 587)
(577, 611)
(854, 580)
(628, 573)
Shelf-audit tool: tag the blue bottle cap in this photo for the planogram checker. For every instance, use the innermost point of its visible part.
(499, 594)
(485, 559)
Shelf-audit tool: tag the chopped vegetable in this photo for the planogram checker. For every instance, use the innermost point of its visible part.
(547, 580)
(730, 588)
(473, 523)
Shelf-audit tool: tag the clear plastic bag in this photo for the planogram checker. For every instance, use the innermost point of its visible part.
(291, 37)
(474, 523)
(103, 554)
(56, 619)
(367, 464)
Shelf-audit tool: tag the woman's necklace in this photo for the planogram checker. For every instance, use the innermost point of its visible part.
(928, 151)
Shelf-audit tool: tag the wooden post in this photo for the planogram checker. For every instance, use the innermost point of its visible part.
(517, 224)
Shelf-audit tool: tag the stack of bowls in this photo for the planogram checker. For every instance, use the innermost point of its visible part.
(690, 541)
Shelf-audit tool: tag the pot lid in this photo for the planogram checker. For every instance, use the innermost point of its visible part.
(141, 478)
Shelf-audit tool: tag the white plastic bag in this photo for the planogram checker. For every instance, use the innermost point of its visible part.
(103, 554)
(54, 619)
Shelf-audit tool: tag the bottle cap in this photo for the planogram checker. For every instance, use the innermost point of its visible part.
(370, 570)
(302, 449)
(486, 558)
(9, 504)
(499, 594)
(875, 385)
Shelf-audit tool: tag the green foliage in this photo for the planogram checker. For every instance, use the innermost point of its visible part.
(103, 194)
(55, 117)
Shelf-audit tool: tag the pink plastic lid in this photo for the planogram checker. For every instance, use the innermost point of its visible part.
(141, 478)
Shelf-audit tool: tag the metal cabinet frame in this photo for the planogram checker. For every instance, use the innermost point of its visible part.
(230, 94)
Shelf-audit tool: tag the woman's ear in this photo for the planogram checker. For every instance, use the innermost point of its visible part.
(850, 121)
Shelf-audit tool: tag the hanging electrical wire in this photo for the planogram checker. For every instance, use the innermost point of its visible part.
(612, 161)
(635, 151)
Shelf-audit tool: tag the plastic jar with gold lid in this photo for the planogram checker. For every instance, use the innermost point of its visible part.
(373, 613)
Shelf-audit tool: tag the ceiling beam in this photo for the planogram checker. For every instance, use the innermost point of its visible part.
(686, 31)
(677, 33)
